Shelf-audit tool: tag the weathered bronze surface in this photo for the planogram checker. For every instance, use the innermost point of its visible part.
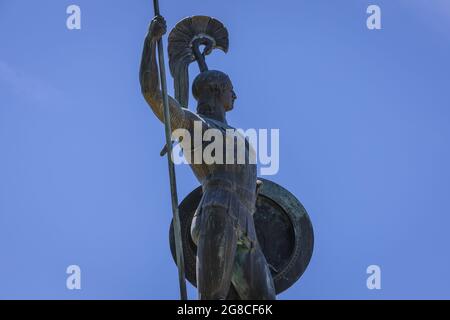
(230, 260)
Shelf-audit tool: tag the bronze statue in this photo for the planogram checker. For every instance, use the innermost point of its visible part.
(230, 263)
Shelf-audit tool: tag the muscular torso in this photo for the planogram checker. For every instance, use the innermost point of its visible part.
(241, 176)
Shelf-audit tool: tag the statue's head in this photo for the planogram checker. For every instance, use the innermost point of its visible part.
(212, 88)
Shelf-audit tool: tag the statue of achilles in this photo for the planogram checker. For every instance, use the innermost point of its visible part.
(230, 262)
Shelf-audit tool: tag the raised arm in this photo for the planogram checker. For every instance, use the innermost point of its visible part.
(149, 77)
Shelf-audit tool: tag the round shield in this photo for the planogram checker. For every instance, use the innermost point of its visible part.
(283, 228)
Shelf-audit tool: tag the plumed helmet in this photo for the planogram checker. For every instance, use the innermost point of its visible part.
(184, 48)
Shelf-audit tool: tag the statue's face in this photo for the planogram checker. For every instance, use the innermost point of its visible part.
(228, 97)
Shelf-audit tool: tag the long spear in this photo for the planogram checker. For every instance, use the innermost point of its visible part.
(173, 183)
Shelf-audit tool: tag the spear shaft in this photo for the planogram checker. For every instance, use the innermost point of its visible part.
(172, 177)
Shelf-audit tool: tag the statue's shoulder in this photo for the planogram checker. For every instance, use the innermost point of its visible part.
(223, 126)
(205, 122)
(194, 118)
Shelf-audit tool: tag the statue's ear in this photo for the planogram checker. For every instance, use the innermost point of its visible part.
(216, 90)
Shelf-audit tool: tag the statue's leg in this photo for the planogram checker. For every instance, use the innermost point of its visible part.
(215, 253)
(251, 274)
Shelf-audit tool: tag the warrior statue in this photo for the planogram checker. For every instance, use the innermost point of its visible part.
(223, 229)
(230, 263)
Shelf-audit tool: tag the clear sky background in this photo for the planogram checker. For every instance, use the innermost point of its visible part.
(364, 119)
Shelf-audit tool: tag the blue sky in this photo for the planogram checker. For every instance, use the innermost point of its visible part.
(364, 127)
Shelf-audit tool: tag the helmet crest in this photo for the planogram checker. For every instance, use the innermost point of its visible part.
(184, 48)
